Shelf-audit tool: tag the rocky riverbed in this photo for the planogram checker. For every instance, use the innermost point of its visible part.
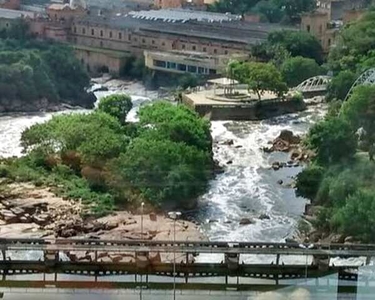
(27, 211)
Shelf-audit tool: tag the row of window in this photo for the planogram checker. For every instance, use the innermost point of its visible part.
(182, 67)
(204, 49)
(135, 39)
(101, 33)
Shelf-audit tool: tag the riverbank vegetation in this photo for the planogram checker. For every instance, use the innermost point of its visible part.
(164, 159)
(340, 180)
(32, 75)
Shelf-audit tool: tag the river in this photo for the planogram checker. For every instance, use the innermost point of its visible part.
(247, 188)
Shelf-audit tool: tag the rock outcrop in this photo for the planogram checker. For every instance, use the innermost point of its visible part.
(30, 212)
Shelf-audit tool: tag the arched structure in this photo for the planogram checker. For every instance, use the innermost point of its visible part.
(313, 84)
(367, 77)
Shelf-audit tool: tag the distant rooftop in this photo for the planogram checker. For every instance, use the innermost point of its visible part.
(183, 15)
(14, 14)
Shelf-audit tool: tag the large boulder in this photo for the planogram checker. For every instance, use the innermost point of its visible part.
(246, 221)
(288, 136)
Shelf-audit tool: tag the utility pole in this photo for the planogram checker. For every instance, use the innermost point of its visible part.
(174, 215)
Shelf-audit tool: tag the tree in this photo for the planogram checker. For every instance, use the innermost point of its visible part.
(297, 69)
(355, 44)
(340, 85)
(169, 174)
(294, 8)
(239, 7)
(359, 110)
(270, 10)
(333, 140)
(298, 43)
(357, 217)
(117, 106)
(260, 77)
(308, 181)
(96, 137)
(164, 120)
(265, 52)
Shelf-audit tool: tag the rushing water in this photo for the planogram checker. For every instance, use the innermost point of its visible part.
(247, 188)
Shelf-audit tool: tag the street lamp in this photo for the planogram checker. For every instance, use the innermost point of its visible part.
(174, 215)
(306, 247)
(142, 205)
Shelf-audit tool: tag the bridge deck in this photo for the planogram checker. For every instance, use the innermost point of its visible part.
(49, 261)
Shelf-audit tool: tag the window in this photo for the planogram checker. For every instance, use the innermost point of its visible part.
(201, 70)
(120, 36)
(143, 41)
(194, 48)
(101, 44)
(92, 32)
(329, 42)
(163, 43)
(75, 28)
(160, 63)
(153, 42)
(83, 30)
(320, 28)
(181, 67)
(192, 69)
(135, 39)
(171, 65)
(183, 46)
(129, 37)
(110, 34)
(308, 28)
(215, 51)
(212, 71)
(204, 49)
(101, 32)
(226, 51)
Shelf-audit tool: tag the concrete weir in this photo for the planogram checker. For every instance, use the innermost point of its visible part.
(208, 103)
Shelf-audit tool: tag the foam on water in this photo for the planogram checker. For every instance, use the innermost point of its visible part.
(248, 188)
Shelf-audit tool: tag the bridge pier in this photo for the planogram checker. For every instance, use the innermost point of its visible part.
(232, 260)
(321, 261)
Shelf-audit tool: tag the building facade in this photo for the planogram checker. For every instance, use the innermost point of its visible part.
(325, 22)
(106, 41)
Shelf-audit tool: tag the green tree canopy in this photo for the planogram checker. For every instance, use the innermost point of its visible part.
(166, 173)
(341, 84)
(298, 43)
(260, 77)
(359, 110)
(117, 106)
(96, 137)
(31, 70)
(357, 216)
(176, 123)
(308, 181)
(354, 49)
(297, 69)
(333, 140)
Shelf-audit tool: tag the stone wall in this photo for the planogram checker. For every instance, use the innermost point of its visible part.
(94, 60)
(263, 110)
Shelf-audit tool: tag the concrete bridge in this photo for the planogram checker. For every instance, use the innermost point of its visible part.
(20, 269)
